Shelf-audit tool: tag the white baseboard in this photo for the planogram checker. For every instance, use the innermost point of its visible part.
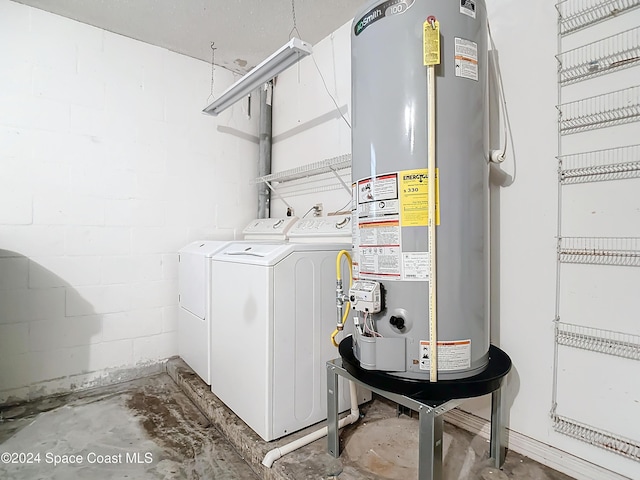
(540, 452)
(83, 381)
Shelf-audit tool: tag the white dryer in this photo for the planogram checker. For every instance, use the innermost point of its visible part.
(270, 338)
(195, 309)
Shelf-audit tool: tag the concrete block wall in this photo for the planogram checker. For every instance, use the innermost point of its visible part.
(107, 168)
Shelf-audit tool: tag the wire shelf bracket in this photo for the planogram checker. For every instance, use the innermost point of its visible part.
(595, 436)
(578, 14)
(600, 165)
(598, 58)
(617, 251)
(618, 344)
(615, 108)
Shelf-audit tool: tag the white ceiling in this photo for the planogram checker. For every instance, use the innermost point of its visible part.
(244, 31)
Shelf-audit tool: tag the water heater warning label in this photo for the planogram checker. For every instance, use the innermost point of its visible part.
(379, 249)
(454, 355)
(380, 262)
(466, 59)
(378, 237)
(468, 7)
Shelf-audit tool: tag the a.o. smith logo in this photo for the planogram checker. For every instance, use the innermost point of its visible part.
(386, 9)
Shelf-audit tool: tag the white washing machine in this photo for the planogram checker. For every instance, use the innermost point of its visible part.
(195, 309)
(270, 338)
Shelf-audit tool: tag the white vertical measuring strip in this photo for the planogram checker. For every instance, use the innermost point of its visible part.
(431, 30)
(433, 324)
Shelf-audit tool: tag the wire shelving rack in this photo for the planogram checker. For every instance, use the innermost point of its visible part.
(575, 15)
(598, 340)
(598, 58)
(614, 108)
(601, 57)
(329, 165)
(595, 436)
(600, 165)
(323, 176)
(619, 251)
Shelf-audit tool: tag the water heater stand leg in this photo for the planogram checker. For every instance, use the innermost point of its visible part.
(431, 420)
(430, 444)
(497, 447)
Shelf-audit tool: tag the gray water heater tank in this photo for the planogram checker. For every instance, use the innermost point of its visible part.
(389, 172)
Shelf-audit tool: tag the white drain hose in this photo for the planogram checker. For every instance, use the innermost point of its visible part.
(279, 452)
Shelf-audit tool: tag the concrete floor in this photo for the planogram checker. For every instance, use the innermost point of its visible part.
(154, 420)
(120, 429)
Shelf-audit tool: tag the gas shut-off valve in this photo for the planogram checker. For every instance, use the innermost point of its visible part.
(365, 296)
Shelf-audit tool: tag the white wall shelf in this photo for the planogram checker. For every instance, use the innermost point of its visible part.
(303, 181)
(614, 108)
(334, 164)
(620, 251)
(575, 15)
(600, 165)
(599, 58)
(597, 437)
(598, 340)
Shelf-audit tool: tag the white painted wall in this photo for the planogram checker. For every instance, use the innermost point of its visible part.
(592, 388)
(525, 219)
(306, 125)
(107, 169)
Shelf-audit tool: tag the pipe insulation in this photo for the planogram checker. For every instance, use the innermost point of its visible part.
(264, 153)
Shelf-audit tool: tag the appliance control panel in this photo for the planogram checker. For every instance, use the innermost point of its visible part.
(365, 296)
(336, 226)
(265, 228)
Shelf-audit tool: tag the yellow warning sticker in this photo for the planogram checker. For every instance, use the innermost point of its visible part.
(431, 36)
(414, 197)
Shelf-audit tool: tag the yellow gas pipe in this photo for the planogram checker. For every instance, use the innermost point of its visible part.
(341, 321)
